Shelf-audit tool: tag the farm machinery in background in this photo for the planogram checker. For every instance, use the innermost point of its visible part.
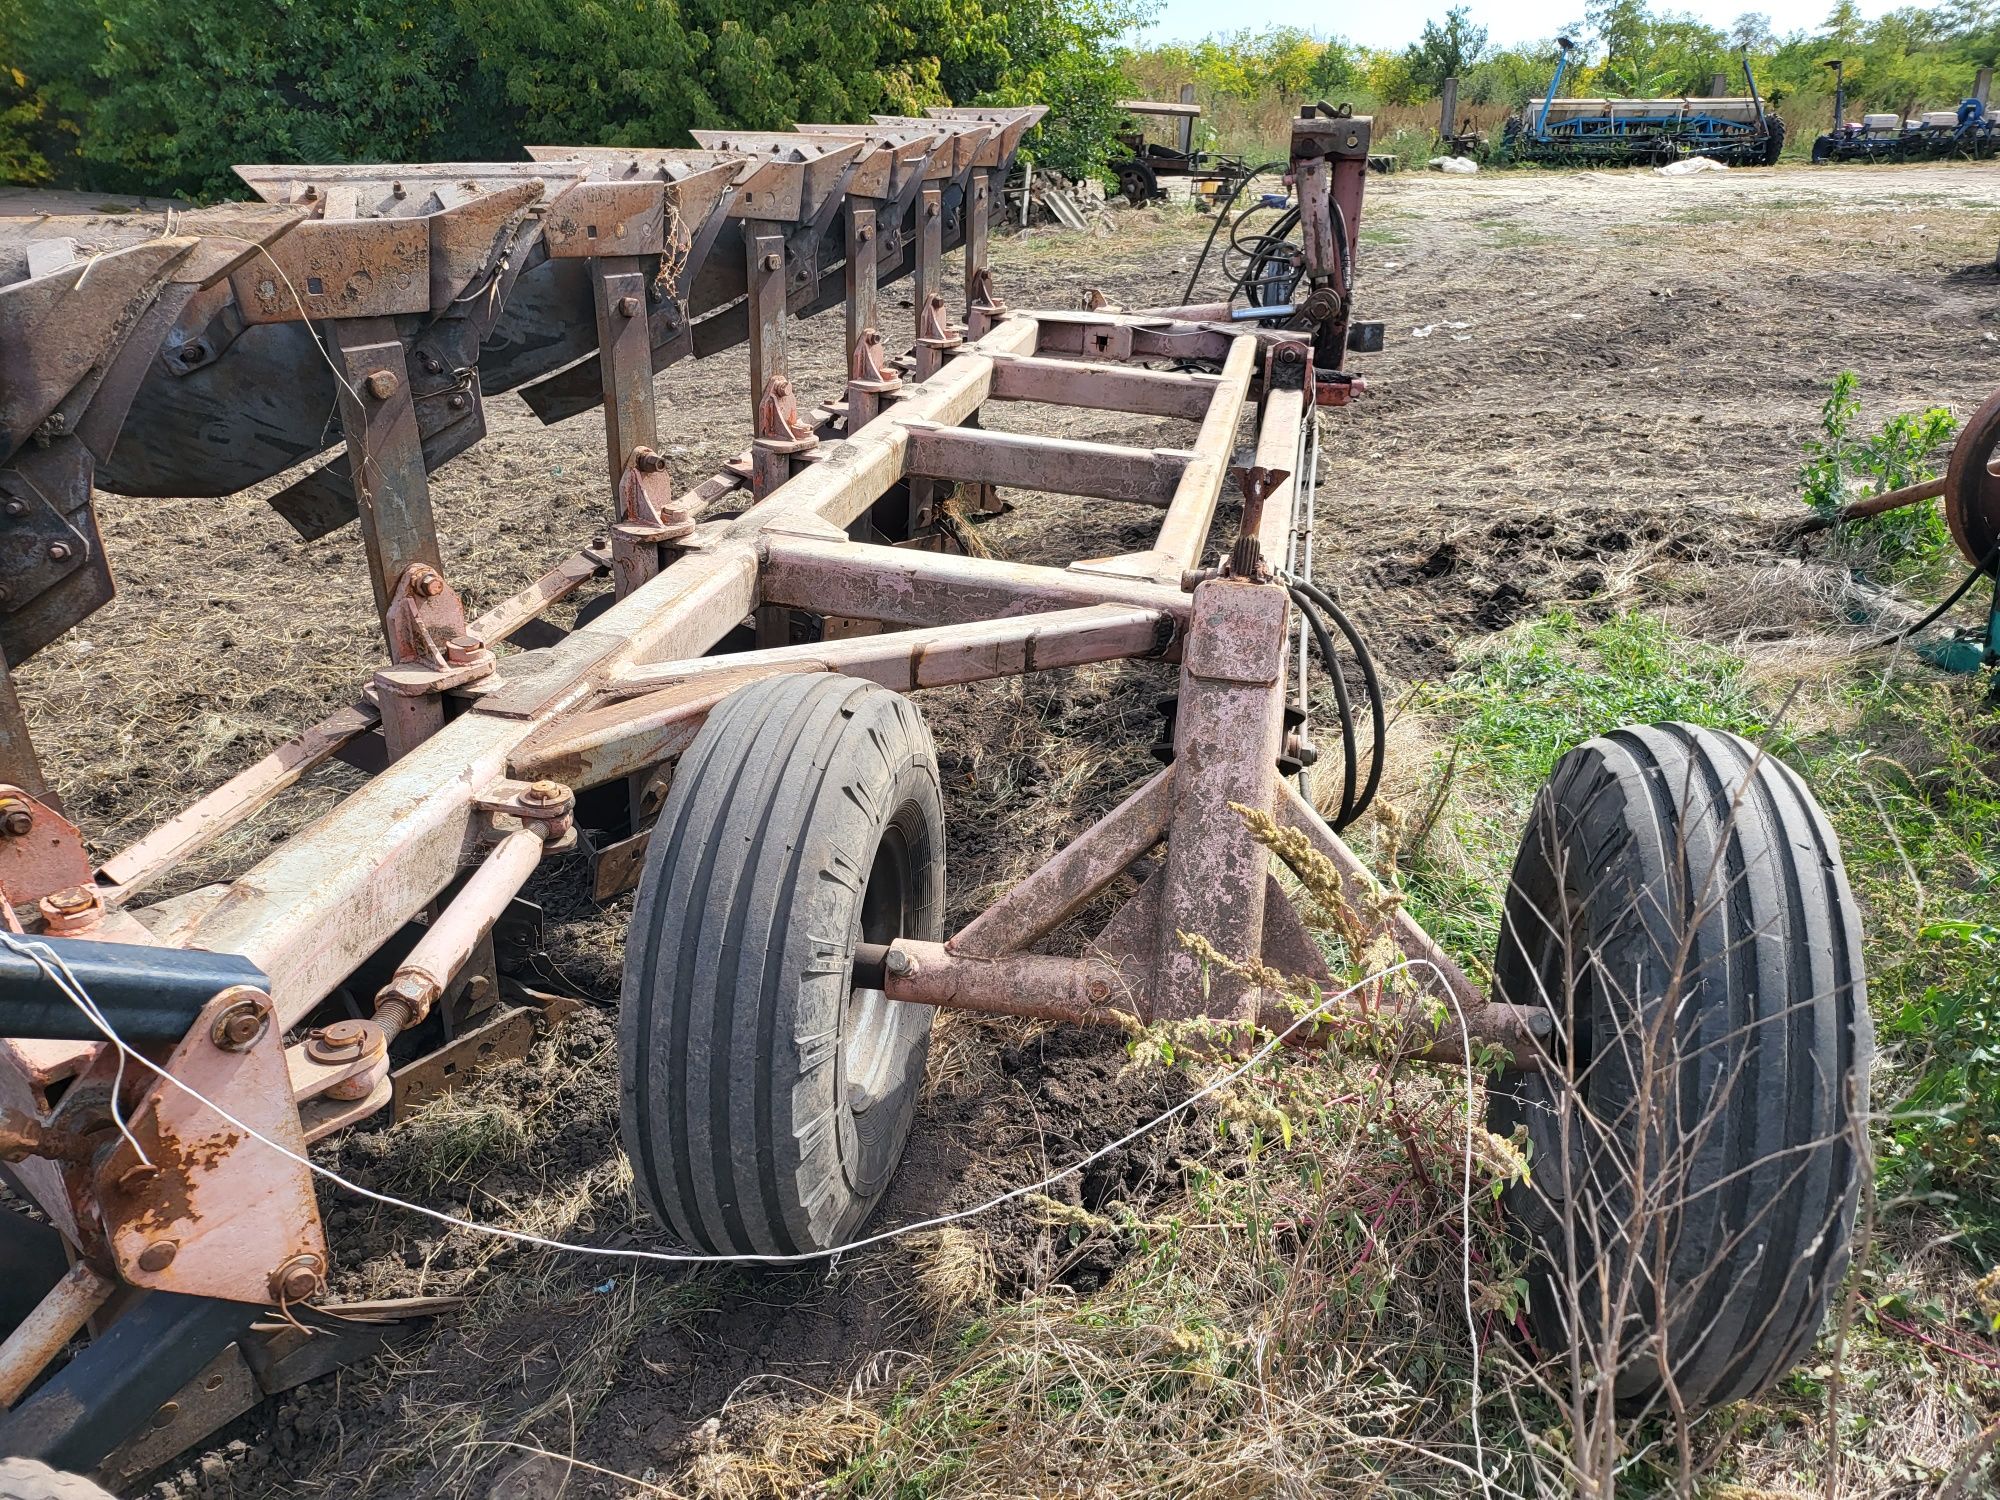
(1970, 132)
(1209, 174)
(1643, 132)
(727, 726)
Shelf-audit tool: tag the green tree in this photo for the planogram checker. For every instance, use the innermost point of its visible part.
(1446, 51)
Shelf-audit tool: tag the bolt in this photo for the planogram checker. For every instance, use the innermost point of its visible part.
(297, 1279)
(158, 1255)
(16, 817)
(59, 551)
(646, 461)
(463, 650)
(899, 963)
(1097, 989)
(930, 210)
(243, 1021)
(17, 507)
(546, 794)
(781, 387)
(425, 581)
(399, 190)
(457, 402)
(774, 261)
(863, 236)
(628, 307)
(477, 988)
(433, 364)
(71, 901)
(381, 384)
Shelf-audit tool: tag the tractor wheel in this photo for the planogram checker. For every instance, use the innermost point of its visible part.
(766, 1099)
(1822, 151)
(26, 1479)
(1137, 182)
(1679, 903)
(1774, 142)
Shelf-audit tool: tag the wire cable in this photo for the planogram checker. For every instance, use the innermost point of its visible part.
(73, 990)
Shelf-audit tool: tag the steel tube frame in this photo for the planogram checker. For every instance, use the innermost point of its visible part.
(624, 694)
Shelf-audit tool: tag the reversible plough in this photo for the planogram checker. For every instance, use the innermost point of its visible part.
(728, 728)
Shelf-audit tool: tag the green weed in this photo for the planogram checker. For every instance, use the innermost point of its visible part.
(1843, 464)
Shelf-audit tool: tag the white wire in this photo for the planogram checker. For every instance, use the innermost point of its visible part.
(73, 990)
(59, 974)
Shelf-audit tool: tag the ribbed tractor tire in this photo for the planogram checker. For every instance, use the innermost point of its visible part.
(1774, 143)
(27, 1479)
(766, 1102)
(1679, 903)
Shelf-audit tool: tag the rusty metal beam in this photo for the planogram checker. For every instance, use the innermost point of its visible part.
(138, 867)
(1062, 887)
(1105, 387)
(671, 699)
(1191, 512)
(331, 895)
(902, 586)
(1063, 466)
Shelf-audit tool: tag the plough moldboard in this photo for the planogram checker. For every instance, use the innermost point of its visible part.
(732, 734)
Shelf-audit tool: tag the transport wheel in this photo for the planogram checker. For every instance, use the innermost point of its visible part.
(1679, 902)
(1822, 151)
(766, 1100)
(26, 1479)
(1137, 182)
(1774, 142)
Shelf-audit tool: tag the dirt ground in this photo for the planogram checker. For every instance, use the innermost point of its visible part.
(1593, 382)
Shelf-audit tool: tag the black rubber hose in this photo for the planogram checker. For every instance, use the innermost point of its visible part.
(1268, 245)
(1221, 218)
(1378, 713)
(1992, 556)
(1348, 749)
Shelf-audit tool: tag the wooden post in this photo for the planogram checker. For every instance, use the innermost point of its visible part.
(1718, 86)
(1184, 126)
(1982, 86)
(1448, 109)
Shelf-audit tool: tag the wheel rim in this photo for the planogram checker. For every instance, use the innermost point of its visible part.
(869, 1060)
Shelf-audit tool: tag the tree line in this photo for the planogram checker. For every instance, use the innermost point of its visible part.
(164, 96)
(1908, 58)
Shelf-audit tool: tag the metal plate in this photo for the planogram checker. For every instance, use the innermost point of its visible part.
(506, 1038)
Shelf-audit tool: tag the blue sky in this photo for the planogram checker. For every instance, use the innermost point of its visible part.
(1507, 21)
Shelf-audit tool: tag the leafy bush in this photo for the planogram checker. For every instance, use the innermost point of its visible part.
(1842, 465)
(164, 96)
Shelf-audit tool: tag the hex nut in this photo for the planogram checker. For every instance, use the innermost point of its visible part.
(774, 262)
(899, 963)
(628, 307)
(17, 819)
(59, 551)
(17, 507)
